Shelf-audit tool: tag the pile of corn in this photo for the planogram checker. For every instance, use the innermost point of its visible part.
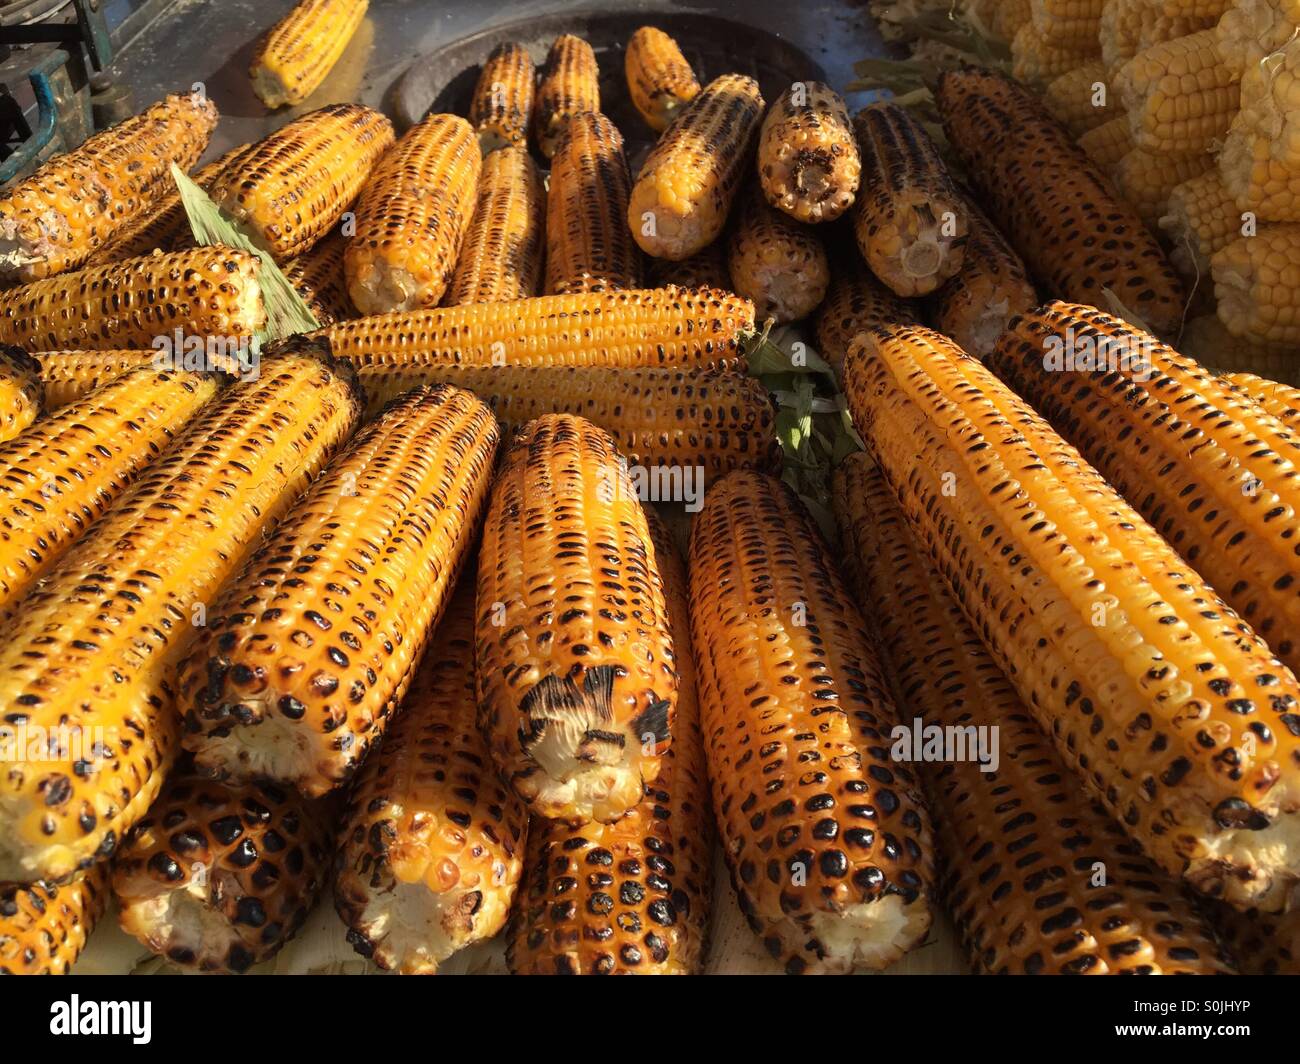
(380, 619)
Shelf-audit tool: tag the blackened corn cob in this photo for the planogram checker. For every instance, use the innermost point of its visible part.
(808, 160)
(296, 56)
(569, 85)
(1279, 400)
(855, 302)
(319, 277)
(659, 79)
(43, 927)
(502, 105)
(776, 262)
(826, 838)
(704, 269)
(67, 376)
(22, 394)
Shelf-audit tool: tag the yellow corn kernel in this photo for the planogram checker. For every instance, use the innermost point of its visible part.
(1081, 100)
(318, 277)
(1147, 180)
(1261, 156)
(43, 928)
(855, 302)
(1036, 60)
(659, 79)
(502, 105)
(295, 57)
(808, 159)
(22, 393)
(1108, 143)
(775, 261)
(1257, 284)
(1200, 219)
(570, 85)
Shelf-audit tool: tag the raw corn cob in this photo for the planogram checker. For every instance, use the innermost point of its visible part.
(319, 277)
(1010, 17)
(300, 50)
(569, 85)
(1109, 143)
(501, 258)
(209, 291)
(1250, 31)
(1125, 417)
(431, 850)
(588, 245)
(1068, 22)
(412, 217)
(285, 681)
(292, 187)
(631, 897)
(502, 105)
(1054, 205)
(1081, 100)
(1023, 842)
(1257, 284)
(992, 287)
(59, 478)
(576, 674)
(1037, 60)
(855, 301)
(658, 417)
(910, 221)
(1119, 30)
(704, 269)
(22, 394)
(652, 327)
(67, 376)
(1153, 690)
(1207, 340)
(1180, 96)
(808, 160)
(776, 262)
(684, 191)
(44, 927)
(1261, 155)
(1200, 219)
(1208, 9)
(1147, 180)
(659, 79)
(218, 878)
(1279, 400)
(1264, 943)
(79, 201)
(121, 602)
(825, 836)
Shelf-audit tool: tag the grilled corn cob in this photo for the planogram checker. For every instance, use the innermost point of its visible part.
(1036, 60)
(1148, 683)
(808, 159)
(684, 191)
(283, 682)
(77, 202)
(412, 218)
(1068, 22)
(1080, 100)
(43, 927)
(431, 849)
(1257, 283)
(704, 269)
(576, 674)
(292, 187)
(1250, 31)
(501, 258)
(22, 394)
(1147, 180)
(67, 376)
(826, 838)
(1278, 399)
(631, 897)
(1107, 145)
(588, 246)
(653, 327)
(502, 105)
(218, 878)
(776, 262)
(1261, 155)
(1200, 219)
(301, 49)
(120, 603)
(911, 222)
(659, 79)
(1207, 340)
(855, 301)
(992, 287)
(59, 478)
(1054, 205)
(569, 85)
(1265, 944)
(320, 279)
(1023, 843)
(210, 292)
(667, 418)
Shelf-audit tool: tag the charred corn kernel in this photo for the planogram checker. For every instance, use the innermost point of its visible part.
(121, 603)
(1263, 943)
(1036, 60)
(502, 105)
(1081, 99)
(685, 188)
(412, 218)
(855, 301)
(320, 279)
(1250, 31)
(1109, 143)
(209, 292)
(677, 419)
(1054, 205)
(826, 837)
(67, 376)
(1010, 17)
(1068, 22)
(1257, 284)
(588, 245)
(1261, 155)
(501, 258)
(1207, 340)
(569, 85)
(808, 159)
(1279, 399)
(300, 50)
(1052, 915)
(652, 327)
(22, 393)
(991, 288)
(776, 262)
(292, 187)
(217, 878)
(79, 201)
(704, 269)
(432, 847)
(1147, 180)
(1200, 219)
(1132, 420)
(60, 477)
(274, 688)
(910, 222)
(1163, 700)
(43, 927)
(656, 921)
(1180, 96)
(659, 79)
(576, 675)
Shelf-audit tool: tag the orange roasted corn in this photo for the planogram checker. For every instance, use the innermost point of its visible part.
(569, 85)
(22, 393)
(776, 262)
(659, 79)
(502, 104)
(43, 927)
(808, 160)
(301, 49)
